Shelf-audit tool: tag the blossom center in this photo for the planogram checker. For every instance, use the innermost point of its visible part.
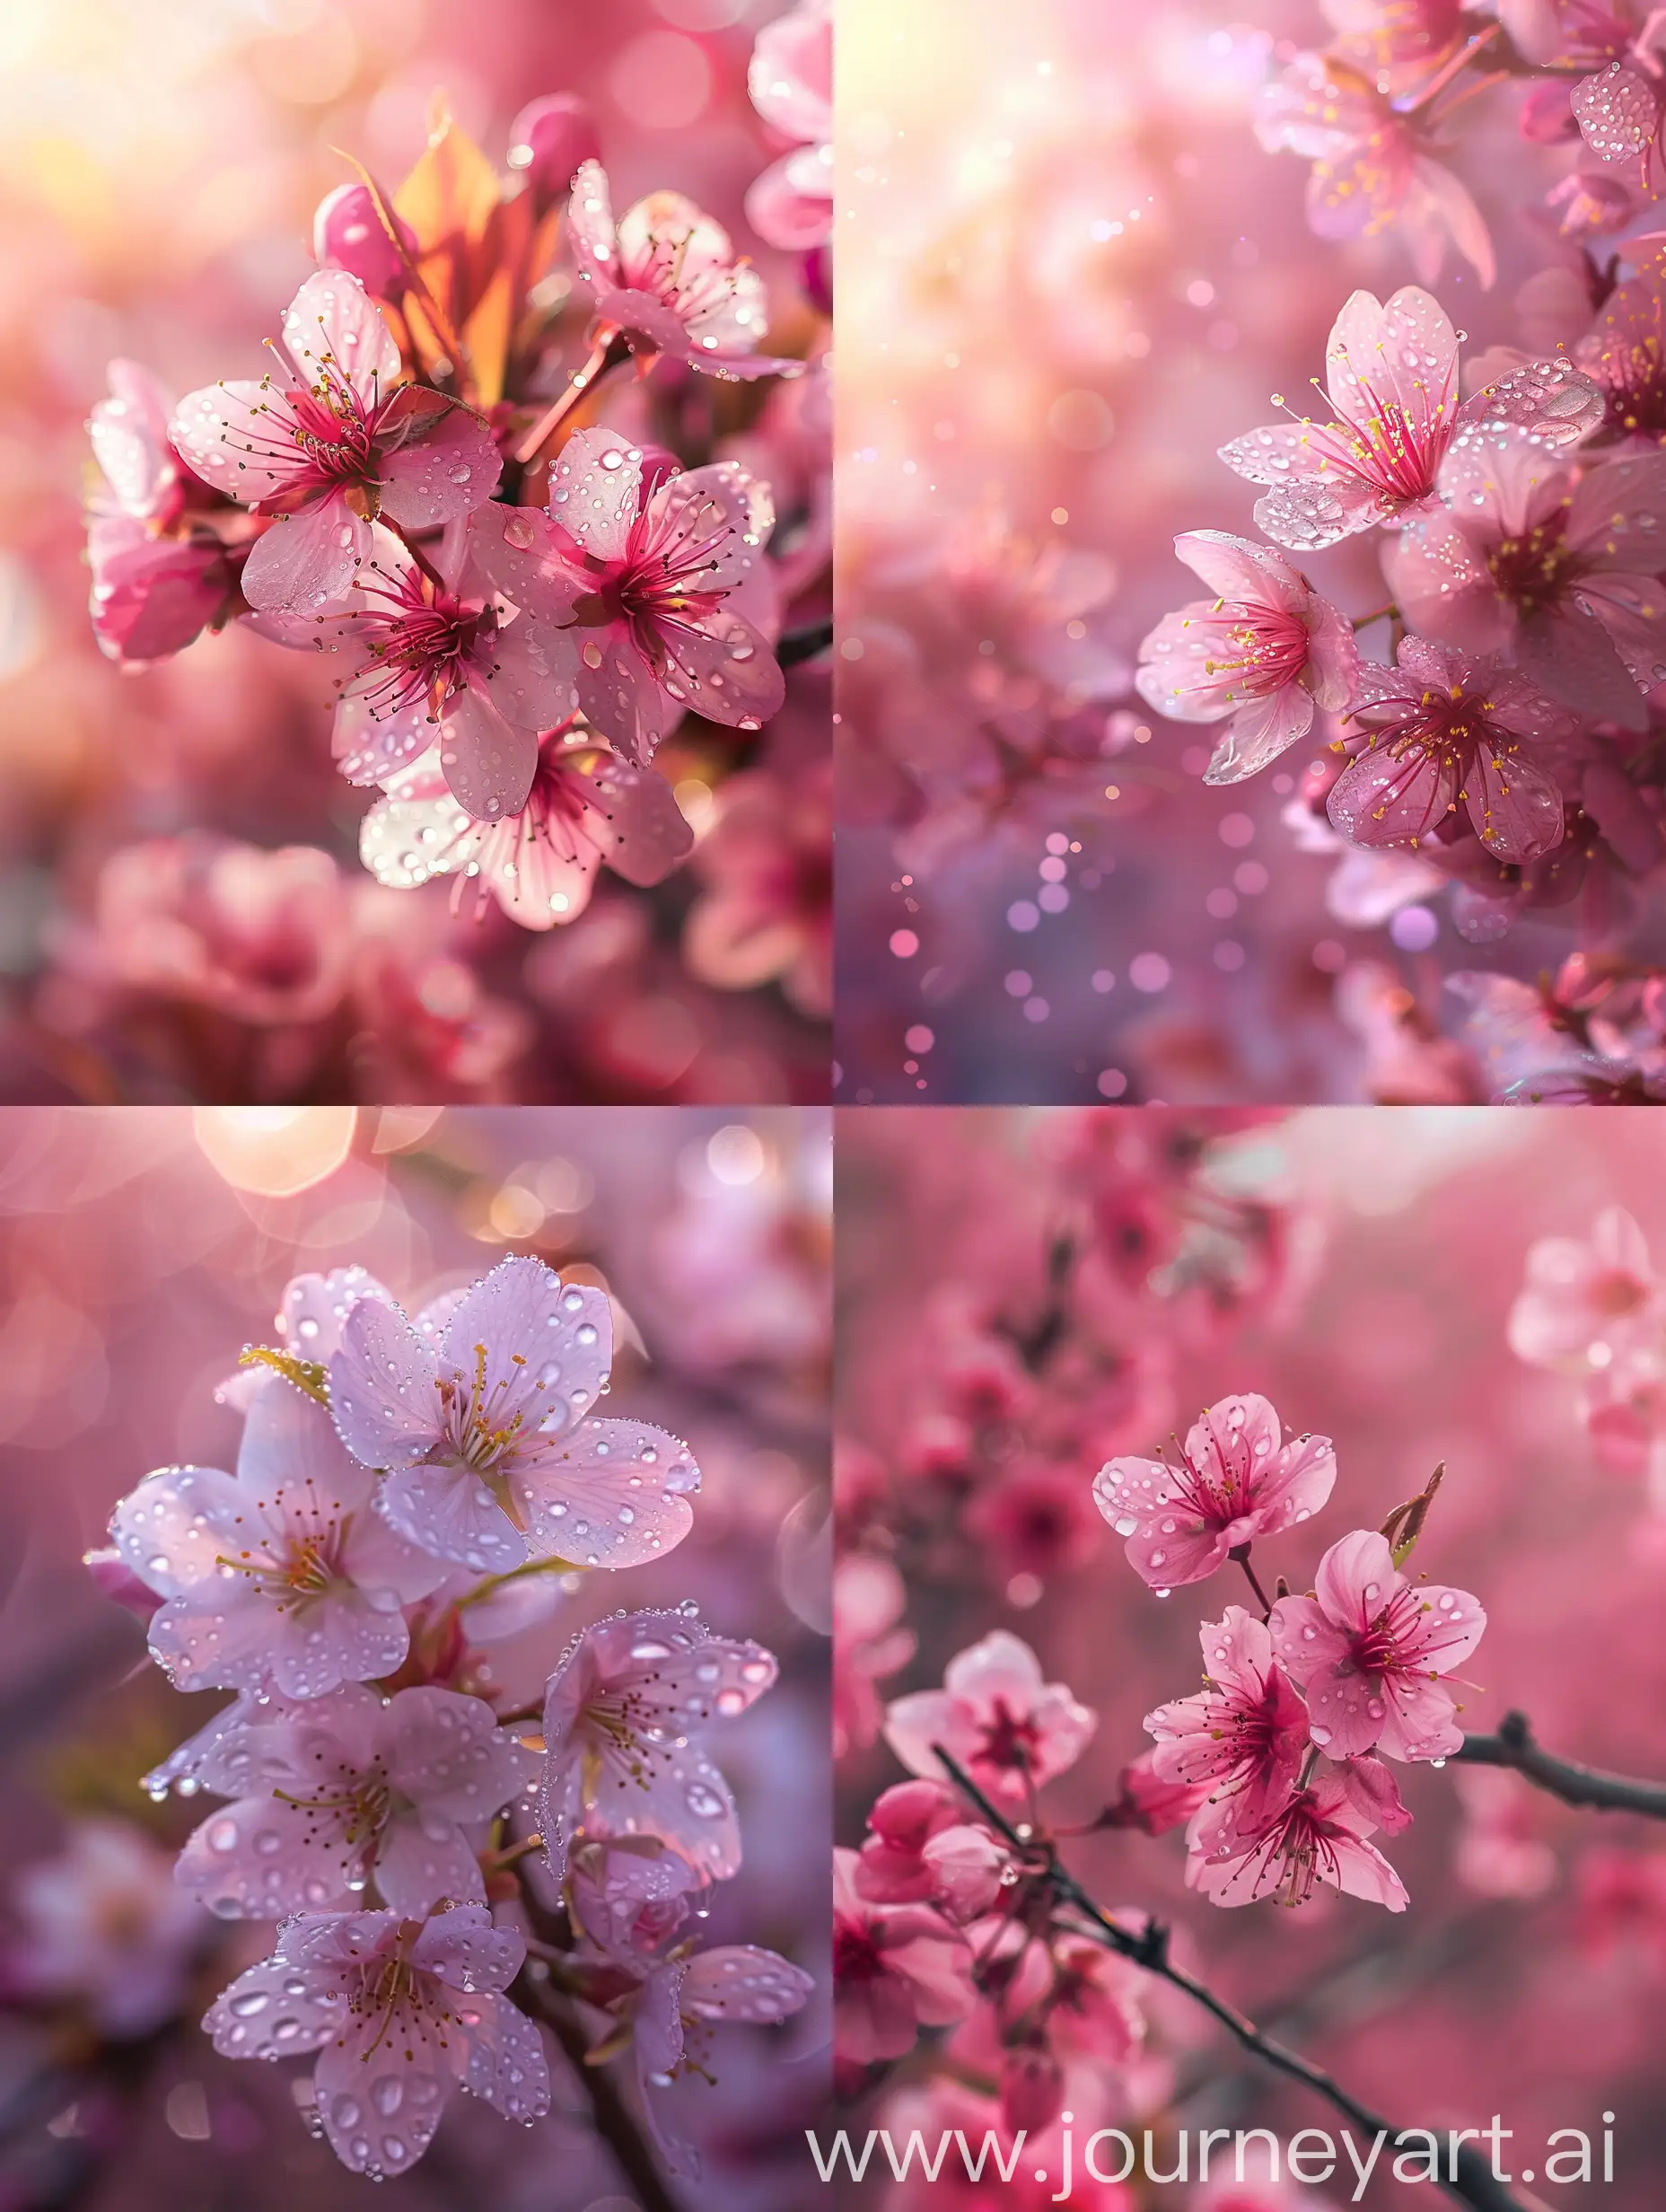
(1261, 649)
(1011, 1740)
(1535, 571)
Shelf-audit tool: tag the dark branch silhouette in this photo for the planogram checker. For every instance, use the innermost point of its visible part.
(1513, 1747)
(1471, 2181)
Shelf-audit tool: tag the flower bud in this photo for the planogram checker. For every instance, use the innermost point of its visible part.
(549, 139)
(349, 233)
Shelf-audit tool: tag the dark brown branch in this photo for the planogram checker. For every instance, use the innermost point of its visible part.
(614, 2120)
(1513, 1747)
(1474, 2183)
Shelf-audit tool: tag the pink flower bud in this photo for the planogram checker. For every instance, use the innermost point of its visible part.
(550, 139)
(1032, 2089)
(349, 233)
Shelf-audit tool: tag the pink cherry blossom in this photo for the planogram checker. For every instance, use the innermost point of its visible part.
(625, 1714)
(1587, 1303)
(327, 442)
(1373, 166)
(1146, 1800)
(921, 1850)
(1316, 1834)
(584, 808)
(430, 657)
(790, 79)
(666, 281)
(493, 1456)
(896, 1969)
(672, 609)
(1549, 564)
(766, 910)
(1441, 731)
(1260, 656)
(1392, 369)
(1624, 353)
(282, 1570)
(157, 579)
(401, 2012)
(1246, 1734)
(673, 2005)
(103, 1924)
(350, 1786)
(1008, 1729)
(1238, 1480)
(628, 1895)
(1367, 1651)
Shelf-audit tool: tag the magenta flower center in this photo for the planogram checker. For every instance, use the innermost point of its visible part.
(1449, 724)
(1535, 571)
(1300, 1843)
(664, 584)
(659, 270)
(296, 1567)
(1616, 1294)
(1010, 1741)
(857, 1957)
(420, 642)
(1262, 649)
(1398, 456)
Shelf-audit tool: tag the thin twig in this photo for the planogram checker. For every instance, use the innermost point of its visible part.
(1513, 1747)
(1472, 2181)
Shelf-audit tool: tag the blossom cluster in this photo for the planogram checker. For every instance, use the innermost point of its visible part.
(532, 500)
(409, 1491)
(1137, 1236)
(1280, 1769)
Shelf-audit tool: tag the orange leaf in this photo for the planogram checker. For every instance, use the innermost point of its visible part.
(450, 200)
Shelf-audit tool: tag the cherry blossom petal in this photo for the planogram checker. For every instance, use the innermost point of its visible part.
(636, 822)
(591, 220)
(532, 679)
(449, 1511)
(467, 1952)
(1514, 804)
(260, 1858)
(445, 466)
(721, 668)
(383, 1396)
(1379, 800)
(489, 763)
(447, 1753)
(421, 1860)
(369, 746)
(334, 333)
(171, 1530)
(620, 696)
(227, 433)
(743, 1982)
(262, 2015)
(1259, 733)
(546, 1346)
(305, 560)
(611, 1496)
(507, 2065)
(593, 491)
(382, 2087)
(291, 1458)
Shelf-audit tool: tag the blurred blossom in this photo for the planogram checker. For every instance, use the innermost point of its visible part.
(104, 1926)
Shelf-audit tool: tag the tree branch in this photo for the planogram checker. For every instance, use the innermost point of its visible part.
(1513, 1747)
(614, 2120)
(1472, 2182)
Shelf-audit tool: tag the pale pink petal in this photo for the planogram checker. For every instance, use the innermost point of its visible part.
(790, 204)
(1420, 1721)
(260, 1858)
(1259, 733)
(1403, 352)
(489, 763)
(611, 1496)
(1378, 799)
(533, 672)
(382, 2087)
(449, 1512)
(334, 333)
(466, 1951)
(291, 1459)
(171, 1530)
(1356, 1578)
(307, 559)
(620, 696)
(593, 490)
(636, 822)
(288, 2021)
(742, 1982)
(447, 1754)
(369, 746)
(1442, 584)
(1235, 568)
(422, 1860)
(1514, 804)
(547, 1347)
(241, 436)
(507, 2065)
(591, 220)
(447, 467)
(719, 666)
(382, 1392)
